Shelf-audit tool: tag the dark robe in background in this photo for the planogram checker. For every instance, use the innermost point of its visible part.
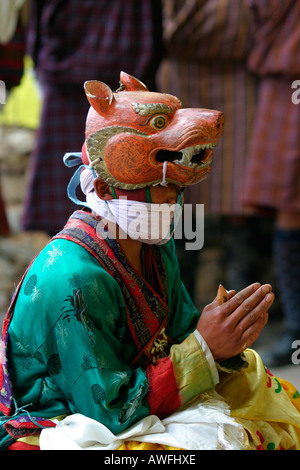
(71, 42)
(272, 177)
(207, 45)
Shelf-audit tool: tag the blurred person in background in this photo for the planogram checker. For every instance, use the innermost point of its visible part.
(206, 48)
(70, 42)
(272, 177)
(242, 56)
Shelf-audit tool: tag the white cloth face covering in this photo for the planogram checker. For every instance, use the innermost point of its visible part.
(143, 221)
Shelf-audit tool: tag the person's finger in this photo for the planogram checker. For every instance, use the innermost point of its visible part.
(256, 313)
(250, 303)
(252, 333)
(230, 294)
(234, 302)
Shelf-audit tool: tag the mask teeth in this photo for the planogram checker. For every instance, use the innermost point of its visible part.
(188, 152)
(164, 182)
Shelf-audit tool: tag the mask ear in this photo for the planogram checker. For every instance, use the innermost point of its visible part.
(102, 189)
(131, 83)
(99, 95)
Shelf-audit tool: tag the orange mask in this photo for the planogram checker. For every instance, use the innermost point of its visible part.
(136, 138)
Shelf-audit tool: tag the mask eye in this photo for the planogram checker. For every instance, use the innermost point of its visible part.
(158, 122)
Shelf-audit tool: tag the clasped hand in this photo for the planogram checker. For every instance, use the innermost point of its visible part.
(230, 328)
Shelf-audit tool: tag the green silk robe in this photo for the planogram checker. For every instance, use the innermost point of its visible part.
(71, 349)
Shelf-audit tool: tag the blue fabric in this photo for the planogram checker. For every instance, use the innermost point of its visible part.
(72, 159)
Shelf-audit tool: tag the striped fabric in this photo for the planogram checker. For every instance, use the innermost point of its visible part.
(273, 168)
(73, 41)
(207, 45)
(276, 48)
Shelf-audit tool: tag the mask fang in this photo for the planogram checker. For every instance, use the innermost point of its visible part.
(163, 181)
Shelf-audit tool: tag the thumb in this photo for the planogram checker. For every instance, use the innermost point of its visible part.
(223, 295)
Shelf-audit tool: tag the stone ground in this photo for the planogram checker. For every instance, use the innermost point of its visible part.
(19, 248)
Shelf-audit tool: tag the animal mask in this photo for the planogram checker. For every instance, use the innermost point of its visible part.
(136, 138)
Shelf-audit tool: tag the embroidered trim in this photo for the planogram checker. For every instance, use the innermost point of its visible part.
(146, 310)
(159, 346)
(6, 392)
(24, 426)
